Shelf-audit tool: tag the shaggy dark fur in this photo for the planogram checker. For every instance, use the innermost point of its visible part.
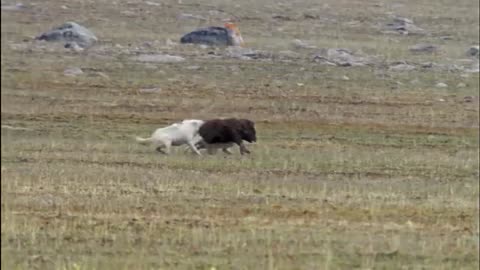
(232, 130)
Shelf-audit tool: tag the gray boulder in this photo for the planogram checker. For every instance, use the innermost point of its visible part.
(70, 32)
(473, 51)
(212, 36)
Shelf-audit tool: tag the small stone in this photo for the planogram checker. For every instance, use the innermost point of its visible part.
(185, 16)
(128, 13)
(446, 38)
(441, 100)
(426, 48)
(441, 85)
(345, 78)
(473, 51)
(403, 26)
(72, 72)
(214, 12)
(401, 67)
(152, 3)
(193, 67)
(461, 85)
(170, 43)
(159, 58)
(468, 99)
(150, 90)
(342, 57)
(300, 44)
(243, 53)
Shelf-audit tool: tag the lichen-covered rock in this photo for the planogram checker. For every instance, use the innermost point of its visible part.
(70, 32)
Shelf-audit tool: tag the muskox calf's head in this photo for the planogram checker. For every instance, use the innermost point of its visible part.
(248, 131)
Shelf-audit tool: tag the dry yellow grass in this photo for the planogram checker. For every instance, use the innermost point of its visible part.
(375, 172)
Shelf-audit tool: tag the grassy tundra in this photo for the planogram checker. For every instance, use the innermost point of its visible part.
(379, 171)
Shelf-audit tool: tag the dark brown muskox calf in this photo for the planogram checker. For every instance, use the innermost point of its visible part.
(223, 132)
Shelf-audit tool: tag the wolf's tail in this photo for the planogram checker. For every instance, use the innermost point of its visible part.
(143, 140)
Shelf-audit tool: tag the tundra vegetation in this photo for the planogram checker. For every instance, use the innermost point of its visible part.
(356, 167)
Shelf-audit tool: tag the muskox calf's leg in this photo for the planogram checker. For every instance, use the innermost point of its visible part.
(238, 140)
(226, 151)
(243, 149)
